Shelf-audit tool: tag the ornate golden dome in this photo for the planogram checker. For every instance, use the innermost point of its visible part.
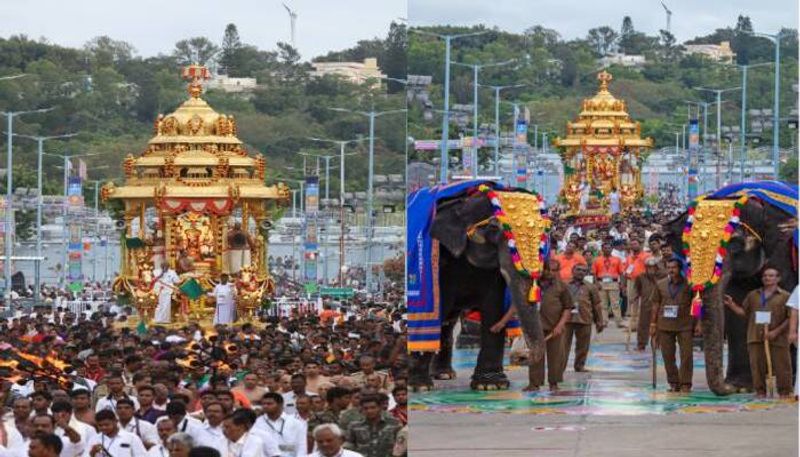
(603, 121)
(195, 147)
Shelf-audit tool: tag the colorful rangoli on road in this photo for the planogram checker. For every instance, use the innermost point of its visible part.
(589, 395)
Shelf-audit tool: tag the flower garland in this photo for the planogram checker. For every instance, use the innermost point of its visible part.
(535, 294)
(722, 251)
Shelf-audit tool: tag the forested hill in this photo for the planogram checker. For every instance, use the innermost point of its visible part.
(110, 96)
(559, 73)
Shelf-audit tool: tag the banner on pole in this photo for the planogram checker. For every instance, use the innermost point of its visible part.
(694, 150)
(310, 244)
(74, 233)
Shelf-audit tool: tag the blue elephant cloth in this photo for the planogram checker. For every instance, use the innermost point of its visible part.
(422, 262)
(777, 193)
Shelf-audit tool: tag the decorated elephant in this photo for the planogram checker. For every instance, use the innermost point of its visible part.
(463, 251)
(763, 237)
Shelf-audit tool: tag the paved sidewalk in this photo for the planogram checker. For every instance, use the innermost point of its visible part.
(611, 411)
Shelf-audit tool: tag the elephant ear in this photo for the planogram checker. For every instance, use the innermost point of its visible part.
(454, 217)
(449, 228)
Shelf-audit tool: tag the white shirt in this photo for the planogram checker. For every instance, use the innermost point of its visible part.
(248, 445)
(68, 448)
(144, 430)
(123, 445)
(159, 450)
(207, 435)
(108, 402)
(342, 453)
(288, 432)
(270, 445)
(289, 399)
(188, 425)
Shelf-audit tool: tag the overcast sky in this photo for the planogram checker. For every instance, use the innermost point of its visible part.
(573, 18)
(153, 26)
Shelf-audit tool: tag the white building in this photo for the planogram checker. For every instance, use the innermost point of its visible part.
(717, 52)
(625, 60)
(355, 72)
(233, 85)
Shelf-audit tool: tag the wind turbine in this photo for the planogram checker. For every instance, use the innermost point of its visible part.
(292, 19)
(669, 17)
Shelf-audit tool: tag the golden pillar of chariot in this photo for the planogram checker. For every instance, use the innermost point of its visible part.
(197, 201)
(602, 153)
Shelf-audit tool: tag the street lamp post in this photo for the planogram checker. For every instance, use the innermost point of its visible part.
(39, 202)
(475, 69)
(719, 124)
(776, 39)
(446, 118)
(9, 185)
(743, 125)
(497, 90)
(341, 198)
(371, 115)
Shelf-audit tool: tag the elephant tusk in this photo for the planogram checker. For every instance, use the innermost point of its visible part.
(549, 336)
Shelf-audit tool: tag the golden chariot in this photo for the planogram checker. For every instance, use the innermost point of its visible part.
(601, 154)
(194, 185)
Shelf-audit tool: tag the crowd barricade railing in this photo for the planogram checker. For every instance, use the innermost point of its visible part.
(81, 306)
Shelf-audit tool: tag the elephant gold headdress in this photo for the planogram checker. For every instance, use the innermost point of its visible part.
(523, 217)
(709, 226)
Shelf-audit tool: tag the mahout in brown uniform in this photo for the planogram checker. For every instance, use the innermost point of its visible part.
(673, 323)
(586, 309)
(767, 316)
(554, 311)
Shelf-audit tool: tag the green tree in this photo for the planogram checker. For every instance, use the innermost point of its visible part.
(199, 50)
(602, 39)
(394, 61)
(231, 47)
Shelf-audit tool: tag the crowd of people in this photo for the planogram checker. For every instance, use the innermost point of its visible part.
(627, 272)
(327, 381)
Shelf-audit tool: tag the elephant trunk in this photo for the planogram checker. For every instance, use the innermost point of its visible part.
(713, 340)
(527, 313)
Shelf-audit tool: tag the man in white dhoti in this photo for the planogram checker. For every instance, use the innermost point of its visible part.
(164, 286)
(225, 297)
(584, 199)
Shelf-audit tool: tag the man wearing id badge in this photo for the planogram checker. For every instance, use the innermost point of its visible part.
(672, 323)
(607, 270)
(767, 317)
(586, 309)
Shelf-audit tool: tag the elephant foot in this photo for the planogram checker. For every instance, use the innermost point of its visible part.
(724, 390)
(447, 374)
(530, 388)
(490, 381)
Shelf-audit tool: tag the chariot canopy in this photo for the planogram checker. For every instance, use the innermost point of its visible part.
(602, 152)
(195, 198)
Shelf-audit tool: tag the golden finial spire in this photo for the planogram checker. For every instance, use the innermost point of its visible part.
(604, 77)
(194, 74)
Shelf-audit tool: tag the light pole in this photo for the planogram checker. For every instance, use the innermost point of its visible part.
(719, 123)
(475, 69)
(9, 184)
(743, 125)
(371, 115)
(64, 232)
(776, 40)
(446, 118)
(37, 275)
(341, 197)
(497, 90)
